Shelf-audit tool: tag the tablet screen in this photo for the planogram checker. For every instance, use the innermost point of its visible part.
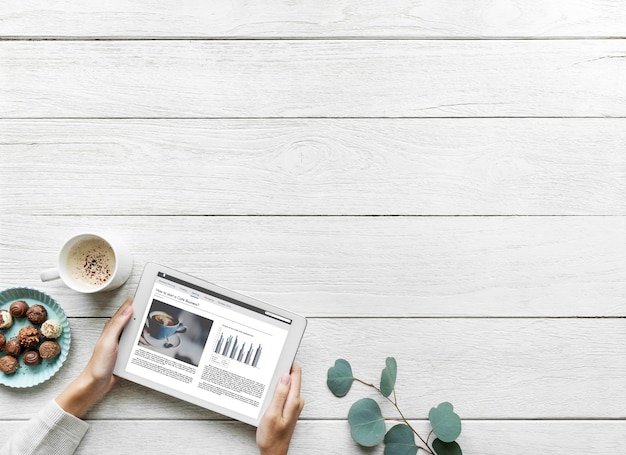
(206, 345)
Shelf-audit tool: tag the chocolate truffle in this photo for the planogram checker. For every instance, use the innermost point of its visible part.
(29, 336)
(49, 349)
(18, 309)
(14, 347)
(6, 320)
(37, 314)
(3, 342)
(31, 358)
(9, 364)
(51, 328)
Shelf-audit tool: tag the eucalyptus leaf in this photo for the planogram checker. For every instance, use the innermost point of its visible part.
(445, 422)
(446, 448)
(340, 378)
(388, 377)
(366, 422)
(400, 440)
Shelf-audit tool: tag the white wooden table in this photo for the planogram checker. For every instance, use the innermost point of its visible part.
(441, 181)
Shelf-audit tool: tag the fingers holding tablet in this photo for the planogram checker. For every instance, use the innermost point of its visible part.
(278, 424)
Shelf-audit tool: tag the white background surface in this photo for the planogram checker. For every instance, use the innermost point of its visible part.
(441, 181)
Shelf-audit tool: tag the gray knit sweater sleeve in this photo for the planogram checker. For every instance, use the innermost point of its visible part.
(51, 432)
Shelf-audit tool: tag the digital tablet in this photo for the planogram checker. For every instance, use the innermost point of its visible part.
(207, 345)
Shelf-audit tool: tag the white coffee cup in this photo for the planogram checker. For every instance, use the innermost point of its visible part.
(91, 263)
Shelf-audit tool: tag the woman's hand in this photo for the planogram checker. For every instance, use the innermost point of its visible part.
(279, 421)
(97, 378)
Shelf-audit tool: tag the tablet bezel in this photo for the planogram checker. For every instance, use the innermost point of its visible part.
(142, 300)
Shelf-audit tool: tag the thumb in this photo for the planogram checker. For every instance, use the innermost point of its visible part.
(113, 328)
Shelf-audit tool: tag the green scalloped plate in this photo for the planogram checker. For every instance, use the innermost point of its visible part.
(29, 376)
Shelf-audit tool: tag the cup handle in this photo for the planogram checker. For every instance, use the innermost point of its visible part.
(49, 275)
(181, 329)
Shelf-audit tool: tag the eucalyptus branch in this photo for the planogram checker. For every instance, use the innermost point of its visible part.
(394, 402)
(368, 425)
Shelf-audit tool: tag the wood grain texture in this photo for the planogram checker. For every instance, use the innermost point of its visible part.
(314, 167)
(355, 266)
(478, 438)
(437, 180)
(314, 18)
(563, 368)
(330, 78)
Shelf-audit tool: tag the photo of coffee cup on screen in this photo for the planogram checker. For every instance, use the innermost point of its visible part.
(163, 325)
(176, 333)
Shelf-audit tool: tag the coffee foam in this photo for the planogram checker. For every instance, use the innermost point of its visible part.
(164, 319)
(91, 262)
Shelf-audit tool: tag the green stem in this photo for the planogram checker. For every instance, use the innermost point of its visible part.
(366, 383)
(427, 448)
(394, 402)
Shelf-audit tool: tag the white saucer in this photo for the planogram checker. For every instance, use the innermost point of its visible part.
(174, 340)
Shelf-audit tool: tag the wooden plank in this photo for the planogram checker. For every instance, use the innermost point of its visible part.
(478, 437)
(356, 266)
(504, 437)
(315, 166)
(301, 78)
(488, 368)
(314, 19)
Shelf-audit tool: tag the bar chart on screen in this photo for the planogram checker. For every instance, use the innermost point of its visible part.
(238, 347)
